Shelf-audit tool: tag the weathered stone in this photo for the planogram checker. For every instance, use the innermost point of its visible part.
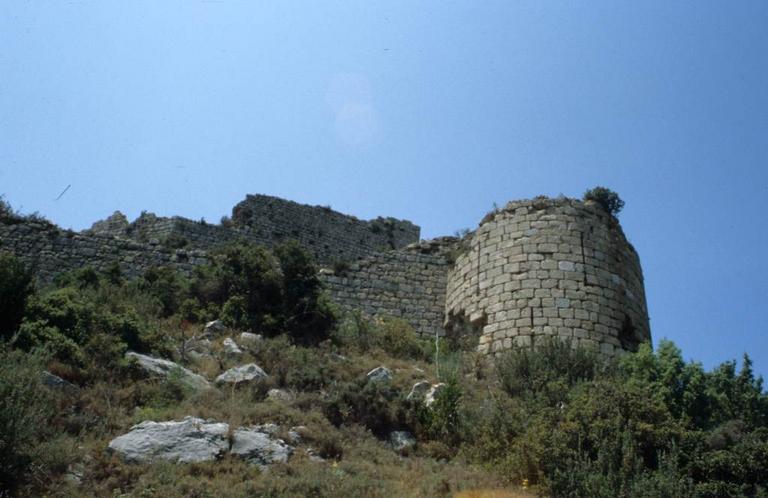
(56, 382)
(214, 327)
(279, 395)
(380, 374)
(401, 440)
(573, 266)
(231, 348)
(190, 440)
(242, 373)
(166, 368)
(518, 260)
(418, 391)
(433, 393)
(249, 339)
(258, 446)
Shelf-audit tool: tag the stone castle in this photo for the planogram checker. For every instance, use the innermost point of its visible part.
(532, 269)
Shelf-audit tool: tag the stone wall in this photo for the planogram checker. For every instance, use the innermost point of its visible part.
(549, 267)
(409, 283)
(329, 235)
(534, 269)
(50, 250)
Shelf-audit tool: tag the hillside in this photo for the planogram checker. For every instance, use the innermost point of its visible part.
(332, 404)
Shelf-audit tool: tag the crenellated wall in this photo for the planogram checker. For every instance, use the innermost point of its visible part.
(549, 267)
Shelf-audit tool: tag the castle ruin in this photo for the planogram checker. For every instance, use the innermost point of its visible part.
(532, 269)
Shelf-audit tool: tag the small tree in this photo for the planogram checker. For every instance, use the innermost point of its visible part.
(16, 286)
(606, 198)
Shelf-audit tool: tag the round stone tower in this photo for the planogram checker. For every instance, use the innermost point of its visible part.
(548, 268)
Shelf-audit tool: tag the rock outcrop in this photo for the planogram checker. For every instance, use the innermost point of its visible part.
(259, 446)
(190, 440)
(243, 373)
(164, 368)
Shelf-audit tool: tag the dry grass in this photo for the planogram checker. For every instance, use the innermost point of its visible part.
(492, 493)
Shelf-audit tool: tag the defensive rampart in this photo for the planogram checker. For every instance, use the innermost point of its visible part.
(534, 269)
(544, 268)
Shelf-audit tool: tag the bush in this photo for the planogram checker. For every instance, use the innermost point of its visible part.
(16, 286)
(547, 372)
(442, 419)
(399, 339)
(167, 286)
(309, 314)
(25, 409)
(606, 198)
(250, 272)
(369, 404)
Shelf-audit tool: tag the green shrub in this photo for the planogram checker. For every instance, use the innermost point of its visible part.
(399, 339)
(546, 372)
(250, 272)
(369, 404)
(25, 409)
(16, 287)
(166, 285)
(605, 198)
(309, 314)
(442, 419)
(39, 335)
(357, 333)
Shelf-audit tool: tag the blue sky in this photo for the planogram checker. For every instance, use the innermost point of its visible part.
(430, 111)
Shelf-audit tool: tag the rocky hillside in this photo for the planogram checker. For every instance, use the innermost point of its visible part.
(244, 380)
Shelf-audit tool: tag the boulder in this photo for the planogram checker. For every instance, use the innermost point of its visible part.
(419, 391)
(258, 445)
(213, 328)
(249, 339)
(231, 348)
(164, 368)
(313, 456)
(295, 434)
(433, 393)
(189, 440)
(196, 348)
(279, 395)
(243, 373)
(380, 374)
(401, 440)
(56, 382)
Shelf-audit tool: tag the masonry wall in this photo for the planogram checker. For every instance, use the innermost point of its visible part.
(549, 267)
(329, 235)
(50, 250)
(409, 283)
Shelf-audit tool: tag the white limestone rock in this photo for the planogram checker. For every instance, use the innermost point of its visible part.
(56, 382)
(433, 393)
(189, 440)
(401, 440)
(279, 395)
(249, 339)
(164, 368)
(231, 348)
(419, 391)
(380, 374)
(258, 445)
(242, 373)
(214, 327)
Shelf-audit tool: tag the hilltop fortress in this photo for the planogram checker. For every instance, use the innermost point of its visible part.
(532, 269)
